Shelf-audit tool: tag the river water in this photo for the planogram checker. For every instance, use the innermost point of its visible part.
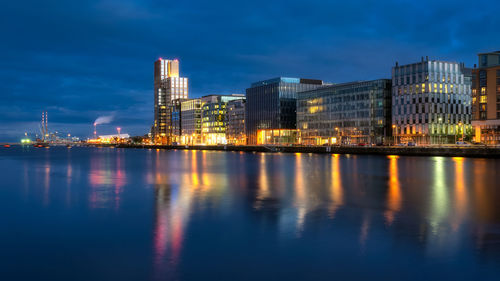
(126, 214)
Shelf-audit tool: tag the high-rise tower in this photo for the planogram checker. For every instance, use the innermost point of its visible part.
(168, 86)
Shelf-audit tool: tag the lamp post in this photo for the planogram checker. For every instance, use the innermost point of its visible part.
(395, 133)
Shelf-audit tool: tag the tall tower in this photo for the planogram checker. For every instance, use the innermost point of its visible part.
(168, 86)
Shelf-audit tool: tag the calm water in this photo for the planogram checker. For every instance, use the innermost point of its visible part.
(115, 214)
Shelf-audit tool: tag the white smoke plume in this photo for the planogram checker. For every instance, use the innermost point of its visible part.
(103, 120)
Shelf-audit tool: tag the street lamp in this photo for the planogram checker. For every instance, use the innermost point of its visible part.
(395, 133)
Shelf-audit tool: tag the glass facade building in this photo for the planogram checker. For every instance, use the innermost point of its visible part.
(431, 102)
(191, 121)
(235, 122)
(272, 104)
(168, 86)
(213, 114)
(486, 99)
(348, 113)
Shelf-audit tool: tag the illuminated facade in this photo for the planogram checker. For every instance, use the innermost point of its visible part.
(213, 124)
(349, 113)
(431, 102)
(168, 86)
(191, 121)
(235, 122)
(278, 136)
(272, 104)
(486, 98)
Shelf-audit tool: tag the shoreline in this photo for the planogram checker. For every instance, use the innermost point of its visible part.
(472, 152)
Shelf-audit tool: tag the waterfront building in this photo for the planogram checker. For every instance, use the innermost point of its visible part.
(348, 113)
(168, 86)
(278, 136)
(213, 124)
(486, 98)
(191, 121)
(272, 104)
(174, 120)
(431, 102)
(235, 122)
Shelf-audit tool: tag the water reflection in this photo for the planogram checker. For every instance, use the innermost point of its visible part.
(107, 178)
(460, 194)
(394, 190)
(194, 211)
(337, 194)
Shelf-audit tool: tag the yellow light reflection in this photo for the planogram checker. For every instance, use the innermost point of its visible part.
(263, 192)
(337, 192)
(394, 196)
(300, 196)
(460, 193)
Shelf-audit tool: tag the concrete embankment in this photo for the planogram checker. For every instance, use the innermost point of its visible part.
(452, 151)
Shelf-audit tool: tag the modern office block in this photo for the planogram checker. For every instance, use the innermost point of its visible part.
(213, 126)
(235, 122)
(348, 113)
(191, 121)
(431, 101)
(486, 98)
(272, 104)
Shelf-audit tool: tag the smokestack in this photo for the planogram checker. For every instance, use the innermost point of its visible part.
(95, 131)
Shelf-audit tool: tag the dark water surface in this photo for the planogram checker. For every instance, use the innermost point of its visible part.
(117, 214)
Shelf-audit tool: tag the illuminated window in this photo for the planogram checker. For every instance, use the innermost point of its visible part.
(483, 90)
(482, 99)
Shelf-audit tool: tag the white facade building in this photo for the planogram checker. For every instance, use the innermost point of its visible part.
(431, 101)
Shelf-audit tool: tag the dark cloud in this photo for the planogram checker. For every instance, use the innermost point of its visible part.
(83, 59)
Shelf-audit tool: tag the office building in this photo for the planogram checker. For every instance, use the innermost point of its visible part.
(191, 121)
(348, 113)
(168, 86)
(213, 124)
(174, 120)
(235, 122)
(272, 104)
(486, 98)
(431, 102)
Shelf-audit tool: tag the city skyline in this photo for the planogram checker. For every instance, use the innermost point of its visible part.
(105, 67)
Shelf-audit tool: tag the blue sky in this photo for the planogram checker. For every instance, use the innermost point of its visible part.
(79, 60)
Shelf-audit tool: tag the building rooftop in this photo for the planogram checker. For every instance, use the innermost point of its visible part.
(287, 80)
(490, 53)
(340, 85)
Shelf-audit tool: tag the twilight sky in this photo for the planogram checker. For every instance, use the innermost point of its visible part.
(79, 60)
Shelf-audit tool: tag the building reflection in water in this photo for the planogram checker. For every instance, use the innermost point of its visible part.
(461, 200)
(301, 201)
(439, 198)
(180, 191)
(290, 194)
(107, 177)
(337, 194)
(263, 192)
(394, 196)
